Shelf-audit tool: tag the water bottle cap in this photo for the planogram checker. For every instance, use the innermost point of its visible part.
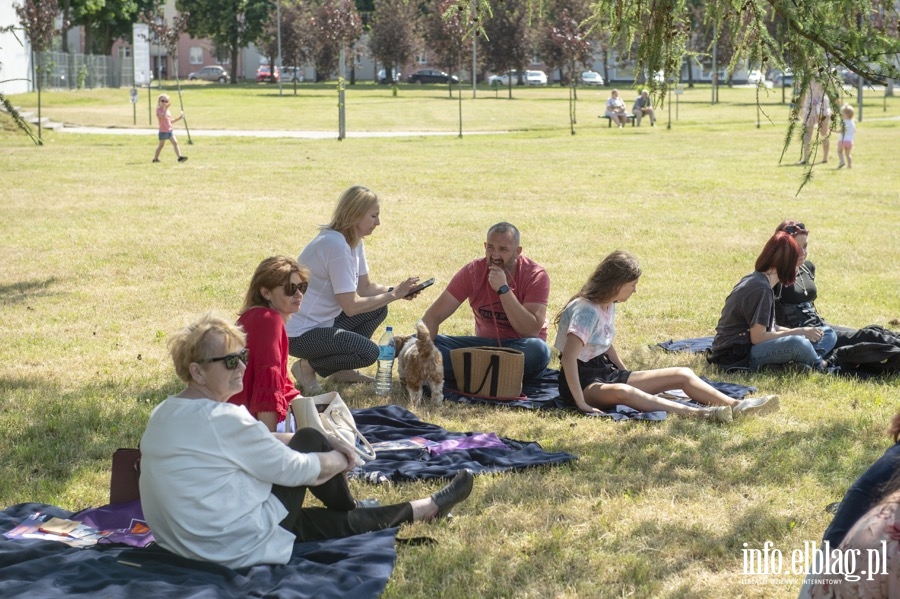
(390, 328)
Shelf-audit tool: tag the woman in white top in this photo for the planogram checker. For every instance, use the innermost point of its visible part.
(216, 485)
(815, 115)
(615, 109)
(332, 333)
(593, 377)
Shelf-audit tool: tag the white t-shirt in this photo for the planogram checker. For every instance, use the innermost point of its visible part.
(590, 323)
(207, 470)
(334, 267)
(849, 130)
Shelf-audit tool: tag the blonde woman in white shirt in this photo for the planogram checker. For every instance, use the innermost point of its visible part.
(615, 109)
(217, 486)
(593, 377)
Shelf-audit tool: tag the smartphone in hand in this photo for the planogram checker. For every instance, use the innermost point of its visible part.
(421, 286)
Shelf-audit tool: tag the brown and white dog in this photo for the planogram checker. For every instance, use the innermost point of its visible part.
(419, 362)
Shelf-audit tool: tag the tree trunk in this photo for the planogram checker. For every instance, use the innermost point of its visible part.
(234, 62)
(64, 29)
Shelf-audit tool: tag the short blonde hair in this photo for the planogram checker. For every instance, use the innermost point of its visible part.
(351, 208)
(848, 108)
(198, 342)
(161, 98)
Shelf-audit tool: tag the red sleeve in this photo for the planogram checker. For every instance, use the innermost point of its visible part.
(266, 386)
(537, 288)
(461, 286)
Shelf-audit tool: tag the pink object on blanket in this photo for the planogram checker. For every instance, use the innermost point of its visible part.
(478, 440)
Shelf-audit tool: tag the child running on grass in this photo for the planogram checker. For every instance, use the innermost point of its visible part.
(593, 377)
(845, 144)
(165, 127)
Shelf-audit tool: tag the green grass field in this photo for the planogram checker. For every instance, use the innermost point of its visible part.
(105, 254)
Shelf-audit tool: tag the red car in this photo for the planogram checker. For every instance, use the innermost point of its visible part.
(263, 73)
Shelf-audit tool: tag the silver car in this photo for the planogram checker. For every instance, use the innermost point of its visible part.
(211, 73)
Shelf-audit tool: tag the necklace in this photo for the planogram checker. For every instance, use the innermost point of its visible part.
(803, 270)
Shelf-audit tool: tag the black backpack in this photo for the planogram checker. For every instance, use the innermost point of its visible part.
(868, 358)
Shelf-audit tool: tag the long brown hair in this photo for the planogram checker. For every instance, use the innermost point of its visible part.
(616, 270)
(271, 273)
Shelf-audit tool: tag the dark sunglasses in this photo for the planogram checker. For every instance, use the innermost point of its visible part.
(797, 229)
(291, 288)
(231, 360)
(164, 101)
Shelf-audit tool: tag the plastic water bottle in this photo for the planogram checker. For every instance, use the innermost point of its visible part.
(384, 374)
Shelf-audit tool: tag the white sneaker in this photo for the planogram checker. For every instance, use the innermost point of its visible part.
(757, 405)
(718, 414)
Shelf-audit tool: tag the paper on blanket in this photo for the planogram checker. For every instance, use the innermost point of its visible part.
(403, 444)
(38, 526)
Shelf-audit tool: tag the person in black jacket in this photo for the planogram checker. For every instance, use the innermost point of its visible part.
(795, 304)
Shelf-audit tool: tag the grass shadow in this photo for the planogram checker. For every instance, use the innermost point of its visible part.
(16, 293)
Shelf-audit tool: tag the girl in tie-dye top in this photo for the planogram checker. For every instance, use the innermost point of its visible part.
(593, 377)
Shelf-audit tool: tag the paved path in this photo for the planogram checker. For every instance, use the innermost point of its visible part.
(262, 133)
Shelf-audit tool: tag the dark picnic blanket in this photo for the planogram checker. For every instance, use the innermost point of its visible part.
(358, 566)
(697, 345)
(391, 423)
(542, 393)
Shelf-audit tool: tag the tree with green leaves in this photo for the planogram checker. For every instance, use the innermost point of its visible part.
(231, 24)
(815, 38)
(394, 36)
(105, 21)
(7, 105)
(508, 41)
(445, 34)
(335, 25)
(565, 46)
(38, 18)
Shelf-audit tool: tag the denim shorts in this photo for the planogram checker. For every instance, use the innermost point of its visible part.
(163, 136)
(596, 370)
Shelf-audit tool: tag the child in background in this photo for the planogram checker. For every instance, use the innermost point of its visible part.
(165, 127)
(845, 144)
(593, 377)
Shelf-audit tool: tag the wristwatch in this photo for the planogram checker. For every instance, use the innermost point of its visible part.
(503, 289)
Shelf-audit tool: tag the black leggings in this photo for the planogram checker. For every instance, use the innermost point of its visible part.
(345, 346)
(340, 517)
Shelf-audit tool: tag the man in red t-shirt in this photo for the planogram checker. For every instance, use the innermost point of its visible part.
(508, 294)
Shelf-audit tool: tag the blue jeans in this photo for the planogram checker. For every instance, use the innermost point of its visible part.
(827, 342)
(793, 348)
(537, 352)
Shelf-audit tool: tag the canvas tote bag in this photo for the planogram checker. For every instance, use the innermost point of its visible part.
(328, 414)
(490, 372)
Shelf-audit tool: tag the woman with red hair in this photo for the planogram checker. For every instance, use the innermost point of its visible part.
(747, 336)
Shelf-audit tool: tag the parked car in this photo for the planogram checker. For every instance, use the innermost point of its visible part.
(432, 76)
(782, 79)
(849, 77)
(535, 77)
(291, 74)
(591, 78)
(382, 76)
(264, 73)
(529, 78)
(754, 77)
(210, 73)
(504, 78)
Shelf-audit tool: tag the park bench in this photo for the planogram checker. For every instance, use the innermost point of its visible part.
(609, 120)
